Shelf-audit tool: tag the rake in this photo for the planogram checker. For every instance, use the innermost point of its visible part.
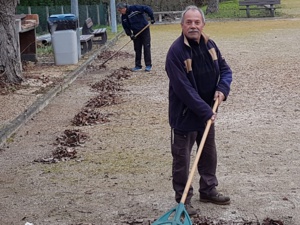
(125, 44)
(178, 215)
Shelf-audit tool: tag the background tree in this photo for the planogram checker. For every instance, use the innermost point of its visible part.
(10, 63)
(157, 5)
(59, 2)
(200, 3)
(212, 6)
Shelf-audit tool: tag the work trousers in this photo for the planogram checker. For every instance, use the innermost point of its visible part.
(143, 42)
(181, 147)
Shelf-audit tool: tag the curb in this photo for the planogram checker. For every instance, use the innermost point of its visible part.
(44, 100)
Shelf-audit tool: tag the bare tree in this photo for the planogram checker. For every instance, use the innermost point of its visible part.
(212, 6)
(200, 3)
(10, 64)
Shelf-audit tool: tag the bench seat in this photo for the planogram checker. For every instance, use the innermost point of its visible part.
(86, 43)
(259, 5)
(100, 35)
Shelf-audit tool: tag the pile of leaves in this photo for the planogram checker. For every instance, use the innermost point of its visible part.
(89, 116)
(114, 54)
(71, 138)
(7, 87)
(108, 89)
(104, 57)
(105, 99)
(66, 144)
(108, 95)
(107, 85)
(120, 74)
(203, 220)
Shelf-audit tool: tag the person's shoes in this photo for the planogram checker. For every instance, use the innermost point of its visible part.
(190, 209)
(135, 69)
(148, 68)
(218, 199)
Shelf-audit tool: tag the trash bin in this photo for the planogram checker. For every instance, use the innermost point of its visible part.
(62, 22)
(63, 30)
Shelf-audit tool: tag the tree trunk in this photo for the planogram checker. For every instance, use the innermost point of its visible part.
(199, 3)
(10, 63)
(212, 6)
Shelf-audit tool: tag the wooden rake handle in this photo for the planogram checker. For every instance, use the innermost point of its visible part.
(200, 148)
(125, 44)
(142, 30)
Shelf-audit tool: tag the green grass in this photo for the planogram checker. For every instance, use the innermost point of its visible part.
(44, 50)
(110, 34)
(230, 9)
(227, 9)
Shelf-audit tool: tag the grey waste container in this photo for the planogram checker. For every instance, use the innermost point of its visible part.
(63, 30)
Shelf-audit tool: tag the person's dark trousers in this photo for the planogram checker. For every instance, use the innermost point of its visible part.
(181, 147)
(143, 42)
(207, 165)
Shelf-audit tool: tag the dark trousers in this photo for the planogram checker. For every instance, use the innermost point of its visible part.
(143, 42)
(181, 147)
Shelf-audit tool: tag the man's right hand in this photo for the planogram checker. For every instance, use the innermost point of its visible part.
(132, 37)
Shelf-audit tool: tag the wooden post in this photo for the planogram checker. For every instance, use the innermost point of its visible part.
(248, 11)
(47, 12)
(159, 17)
(98, 14)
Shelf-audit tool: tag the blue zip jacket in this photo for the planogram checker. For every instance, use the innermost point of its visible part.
(187, 110)
(135, 20)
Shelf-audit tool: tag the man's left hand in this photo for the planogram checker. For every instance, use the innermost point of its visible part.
(132, 37)
(220, 96)
(152, 21)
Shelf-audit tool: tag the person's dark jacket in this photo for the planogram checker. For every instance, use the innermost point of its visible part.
(187, 110)
(135, 20)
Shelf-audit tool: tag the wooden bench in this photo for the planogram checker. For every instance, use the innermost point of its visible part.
(86, 43)
(99, 34)
(168, 15)
(260, 4)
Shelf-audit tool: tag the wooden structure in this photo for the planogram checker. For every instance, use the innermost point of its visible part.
(26, 27)
(259, 5)
(168, 15)
(86, 43)
(100, 35)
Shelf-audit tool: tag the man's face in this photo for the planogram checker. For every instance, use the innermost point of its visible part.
(192, 25)
(122, 11)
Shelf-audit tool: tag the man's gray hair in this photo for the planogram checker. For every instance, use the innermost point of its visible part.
(192, 7)
(121, 5)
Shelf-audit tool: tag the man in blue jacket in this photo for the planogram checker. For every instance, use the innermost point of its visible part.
(133, 21)
(198, 75)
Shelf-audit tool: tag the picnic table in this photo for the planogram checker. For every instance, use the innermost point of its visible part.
(259, 5)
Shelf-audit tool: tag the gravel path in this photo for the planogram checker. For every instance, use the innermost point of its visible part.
(122, 173)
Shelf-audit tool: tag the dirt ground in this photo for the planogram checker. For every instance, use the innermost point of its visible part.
(122, 171)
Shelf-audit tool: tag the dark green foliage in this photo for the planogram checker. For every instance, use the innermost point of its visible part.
(56, 2)
(85, 11)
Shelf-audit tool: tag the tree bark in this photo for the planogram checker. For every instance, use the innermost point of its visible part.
(212, 6)
(199, 3)
(10, 63)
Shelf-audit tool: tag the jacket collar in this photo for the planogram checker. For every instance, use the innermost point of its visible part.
(186, 42)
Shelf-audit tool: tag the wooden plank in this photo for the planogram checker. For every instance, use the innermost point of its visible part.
(86, 43)
(100, 31)
(257, 2)
(84, 38)
(264, 4)
(89, 22)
